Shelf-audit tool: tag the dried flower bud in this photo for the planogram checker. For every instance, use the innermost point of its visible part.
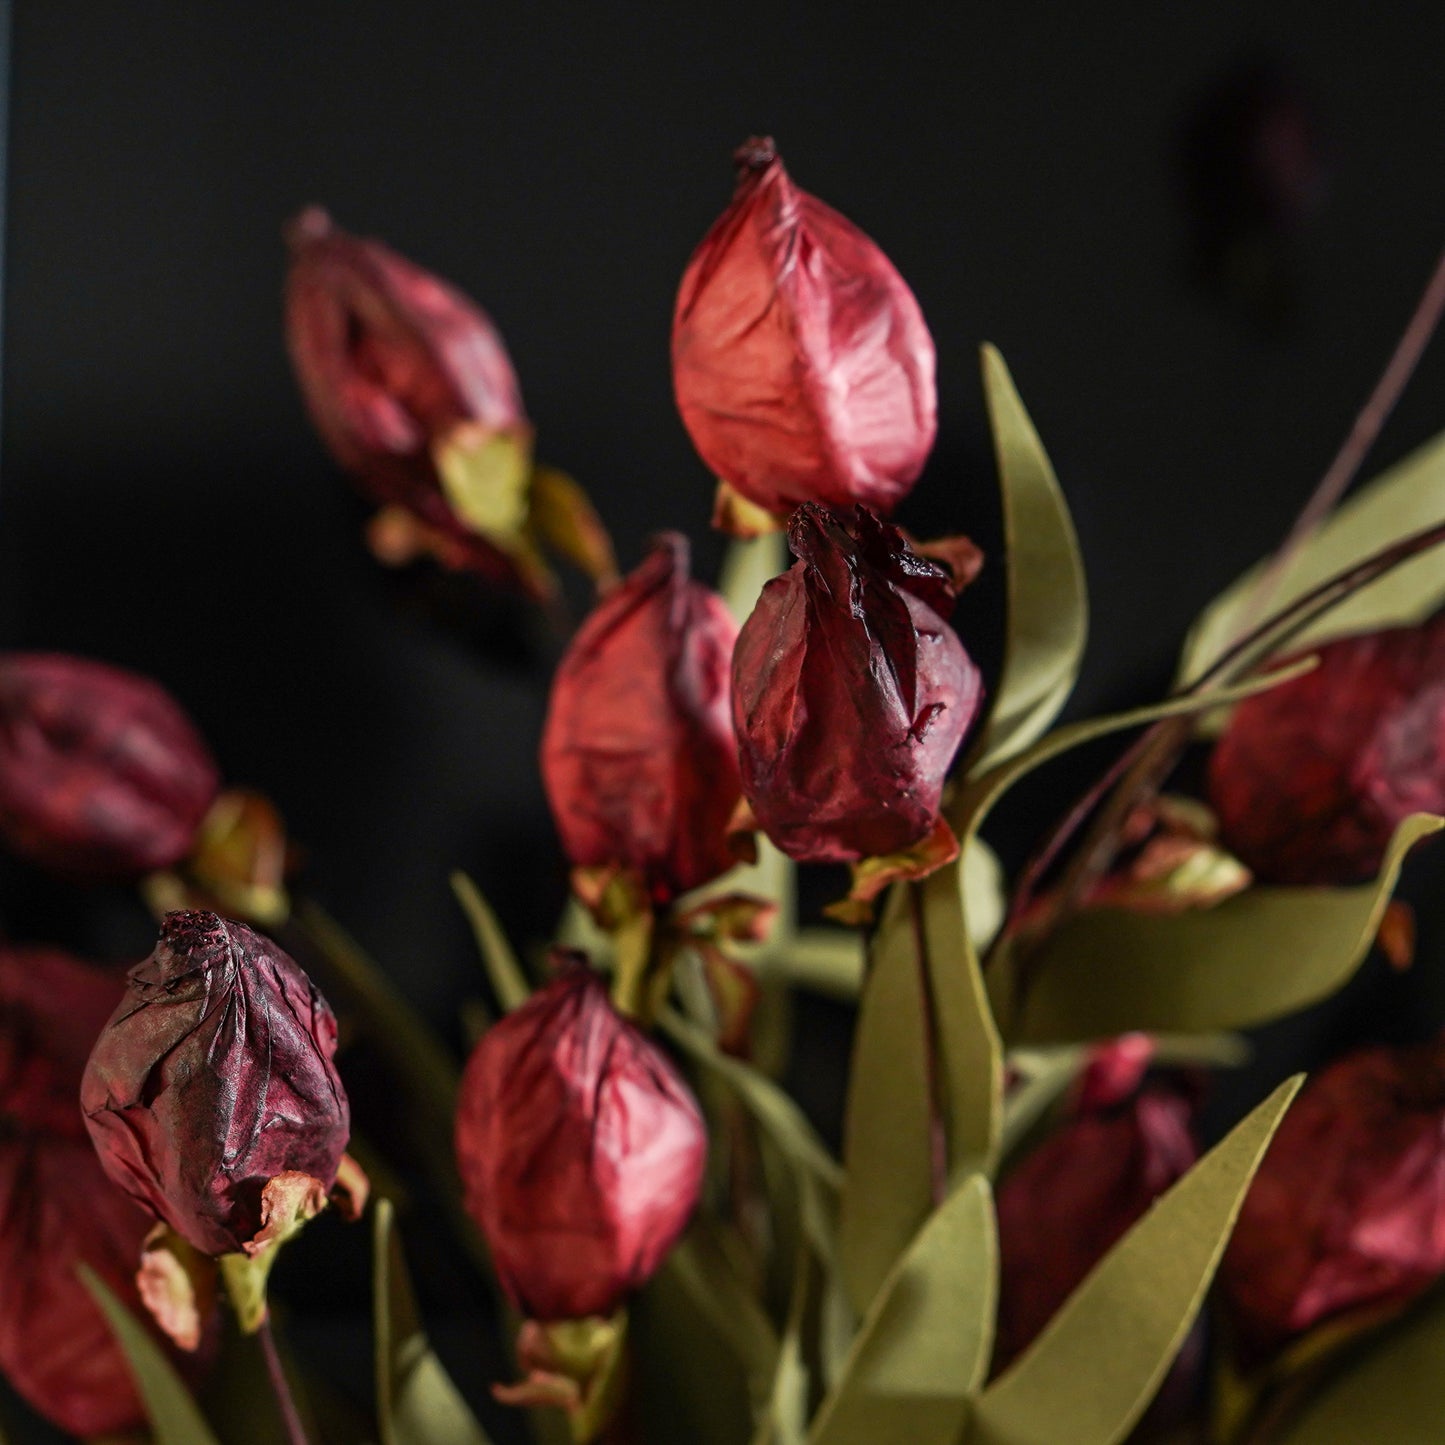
(101, 773)
(213, 1077)
(580, 1148)
(58, 1210)
(52, 1008)
(801, 362)
(396, 366)
(851, 693)
(638, 755)
(1312, 777)
(1068, 1202)
(1347, 1211)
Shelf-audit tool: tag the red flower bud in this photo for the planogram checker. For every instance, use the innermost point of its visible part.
(392, 363)
(57, 1208)
(101, 773)
(581, 1150)
(638, 755)
(1063, 1208)
(800, 359)
(1347, 1211)
(52, 1007)
(213, 1076)
(1311, 778)
(851, 693)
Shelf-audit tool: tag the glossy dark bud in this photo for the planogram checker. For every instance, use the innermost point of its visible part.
(851, 694)
(638, 756)
(580, 1148)
(214, 1075)
(1312, 777)
(101, 773)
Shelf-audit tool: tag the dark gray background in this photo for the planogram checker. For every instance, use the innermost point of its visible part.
(165, 505)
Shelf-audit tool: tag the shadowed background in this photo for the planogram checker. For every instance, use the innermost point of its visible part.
(165, 505)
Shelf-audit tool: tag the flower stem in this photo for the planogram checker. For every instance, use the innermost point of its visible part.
(937, 1134)
(281, 1387)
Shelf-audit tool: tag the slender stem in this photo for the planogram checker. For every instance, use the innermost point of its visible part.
(281, 1387)
(937, 1135)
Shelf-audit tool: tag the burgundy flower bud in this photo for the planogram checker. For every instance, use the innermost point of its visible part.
(1347, 1211)
(58, 1210)
(52, 1008)
(638, 755)
(581, 1150)
(1312, 777)
(801, 362)
(393, 362)
(101, 773)
(1063, 1208)
(851, 693)
(213, 1076)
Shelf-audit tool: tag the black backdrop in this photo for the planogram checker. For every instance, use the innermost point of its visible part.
(165, 505)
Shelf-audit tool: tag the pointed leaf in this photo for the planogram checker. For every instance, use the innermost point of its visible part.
(924, 1346)
(508, 981)
(1092, 1372)
(1407, 498)
(1390, 1391)
(416, 1401)
(174, 1415)
(1257, 956)
(1048, 610)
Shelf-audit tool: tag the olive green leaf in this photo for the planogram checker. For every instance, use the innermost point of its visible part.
(924, 988)
(508, 981)
(1091, 1373)
(1388, 1390)
(1405, 499)
(416, 1401)
(174, 1415)
(1048, 609)
(1257, 956)
(924, 1346)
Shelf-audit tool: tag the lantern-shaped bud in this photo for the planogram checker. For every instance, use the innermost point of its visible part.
(1347, 1211)
(638, 755)
(1311, 778)
(581, 1150)
(800, 359)
(213, 1077)
(101, 773)
(851, 693)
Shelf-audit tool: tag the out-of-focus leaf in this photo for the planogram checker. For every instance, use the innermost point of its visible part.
(784, 1418)
(888, 1141)
(175, 1418)
(825, 960)
(984, 893)
(747, 567)
(508, 981)
(924, 986)
(1048, 608)
(1389, 1390)
(1407, 498)
(561, 515)
(924, 1346)
(1092, 1372)
(416, 1401)
(1257, 956)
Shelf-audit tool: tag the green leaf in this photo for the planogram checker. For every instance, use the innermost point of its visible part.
(1257, 956)
(508, 981)
(749, 565)
(924, 984)
(1391, 1393)
(174, 1415)
(785, 1414)
(1092, 1372)
(924, 1346)
(416, 1401)
(1048, 609)
(1407, 498)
